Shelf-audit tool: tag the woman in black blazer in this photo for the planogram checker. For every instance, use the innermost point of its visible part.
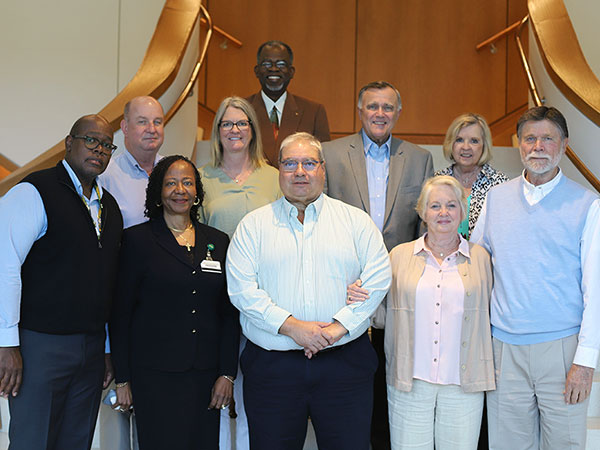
(174, 333)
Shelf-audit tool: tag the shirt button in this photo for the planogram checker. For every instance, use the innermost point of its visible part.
(193, 272)
(464, 344)
(438, 285)
(434, 359)
(194, 291)
(193, 331)
(440, 271)
(436, 322)
(435, 342)
(463, 367)
(193, 311)
(467, 318)
(437, 304)
(468, 293)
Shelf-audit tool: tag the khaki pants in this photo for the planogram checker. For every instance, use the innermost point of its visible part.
(527, 411)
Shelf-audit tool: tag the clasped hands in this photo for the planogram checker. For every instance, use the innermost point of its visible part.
(315, 336)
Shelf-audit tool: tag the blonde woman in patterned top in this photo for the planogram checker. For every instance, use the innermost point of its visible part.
(467, 146)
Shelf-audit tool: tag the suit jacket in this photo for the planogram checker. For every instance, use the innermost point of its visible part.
(299, 114)
(346, 180)
(168, 314)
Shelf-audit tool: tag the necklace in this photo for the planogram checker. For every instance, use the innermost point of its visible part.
(240, 177)
(466, 180)
(188, 244)
(442, 251)
(180, 231)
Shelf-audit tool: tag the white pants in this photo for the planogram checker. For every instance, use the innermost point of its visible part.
(437, 414)
(235, 428)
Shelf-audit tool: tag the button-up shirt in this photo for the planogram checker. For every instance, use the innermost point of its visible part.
(126, 180)
(278, 266)
(439, 307)
(377, 159)
(279, 104)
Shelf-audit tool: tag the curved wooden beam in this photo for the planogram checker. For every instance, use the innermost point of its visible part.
(156, 73)
(562, 56)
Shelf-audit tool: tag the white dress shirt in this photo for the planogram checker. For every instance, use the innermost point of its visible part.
(23, 221)
(588, 348)
(279, 104)
(277, 267)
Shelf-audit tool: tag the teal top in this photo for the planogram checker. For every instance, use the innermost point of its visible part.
(226, 202)
(463, 228)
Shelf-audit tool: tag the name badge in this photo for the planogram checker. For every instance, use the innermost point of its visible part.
(210, 266)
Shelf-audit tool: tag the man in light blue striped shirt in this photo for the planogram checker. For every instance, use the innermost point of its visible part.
(308, 352)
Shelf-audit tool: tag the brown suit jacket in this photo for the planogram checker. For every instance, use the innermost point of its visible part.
(299, 114)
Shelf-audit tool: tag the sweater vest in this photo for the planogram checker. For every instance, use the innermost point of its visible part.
(68, 277)
(536, 256)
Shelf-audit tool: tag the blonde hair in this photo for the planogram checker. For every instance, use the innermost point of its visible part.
(255, 148)
(443, 180)
(462, 121)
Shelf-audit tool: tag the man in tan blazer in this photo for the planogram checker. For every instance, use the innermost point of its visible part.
(383, 176)
(274, 69)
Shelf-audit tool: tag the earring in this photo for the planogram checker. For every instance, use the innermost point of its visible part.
(158, 204)
(197, 201)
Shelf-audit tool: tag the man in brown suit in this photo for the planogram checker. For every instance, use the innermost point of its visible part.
(281, 113)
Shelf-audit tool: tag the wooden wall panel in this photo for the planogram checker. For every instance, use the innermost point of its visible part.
(428, 53)
(321, 34)
(426, 49)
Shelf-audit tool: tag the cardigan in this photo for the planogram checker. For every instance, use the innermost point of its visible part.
(476, 360)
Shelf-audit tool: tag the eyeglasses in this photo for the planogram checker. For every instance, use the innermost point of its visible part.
(281, 64)
(92, 143)
(291, 165)
(241, 125)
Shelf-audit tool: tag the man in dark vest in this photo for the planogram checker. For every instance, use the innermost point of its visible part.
(59, 241)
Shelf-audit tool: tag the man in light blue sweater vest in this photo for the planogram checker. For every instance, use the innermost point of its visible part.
(543, 233)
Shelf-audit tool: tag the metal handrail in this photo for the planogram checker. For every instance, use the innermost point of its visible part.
(578, 163)
(194, 76)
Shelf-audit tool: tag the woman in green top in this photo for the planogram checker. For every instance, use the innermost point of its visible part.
(467, 146)
(238, 179)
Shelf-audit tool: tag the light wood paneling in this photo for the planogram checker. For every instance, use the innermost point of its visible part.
(425, 49)
(321, 34)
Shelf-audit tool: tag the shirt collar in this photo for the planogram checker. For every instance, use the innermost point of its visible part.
(375, 150)
(270, 103)
(78, 185)
(313, 209)
(134, 165)
(463, 246)
(545, 188)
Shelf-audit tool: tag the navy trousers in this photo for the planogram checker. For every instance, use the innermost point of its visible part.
(57, 404)
(334, 388)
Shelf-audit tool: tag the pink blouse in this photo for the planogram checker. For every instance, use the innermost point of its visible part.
(438, 317)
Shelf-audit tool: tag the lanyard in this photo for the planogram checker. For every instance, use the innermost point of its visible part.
(85, 202)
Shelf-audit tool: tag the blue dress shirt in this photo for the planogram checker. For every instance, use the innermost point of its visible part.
(377, 160)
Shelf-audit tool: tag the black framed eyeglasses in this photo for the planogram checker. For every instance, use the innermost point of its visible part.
(92, 143)
(227, 125)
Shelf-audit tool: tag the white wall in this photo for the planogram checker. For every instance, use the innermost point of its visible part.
(63, 59)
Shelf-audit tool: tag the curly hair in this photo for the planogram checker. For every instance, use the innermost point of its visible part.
(154, 208)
